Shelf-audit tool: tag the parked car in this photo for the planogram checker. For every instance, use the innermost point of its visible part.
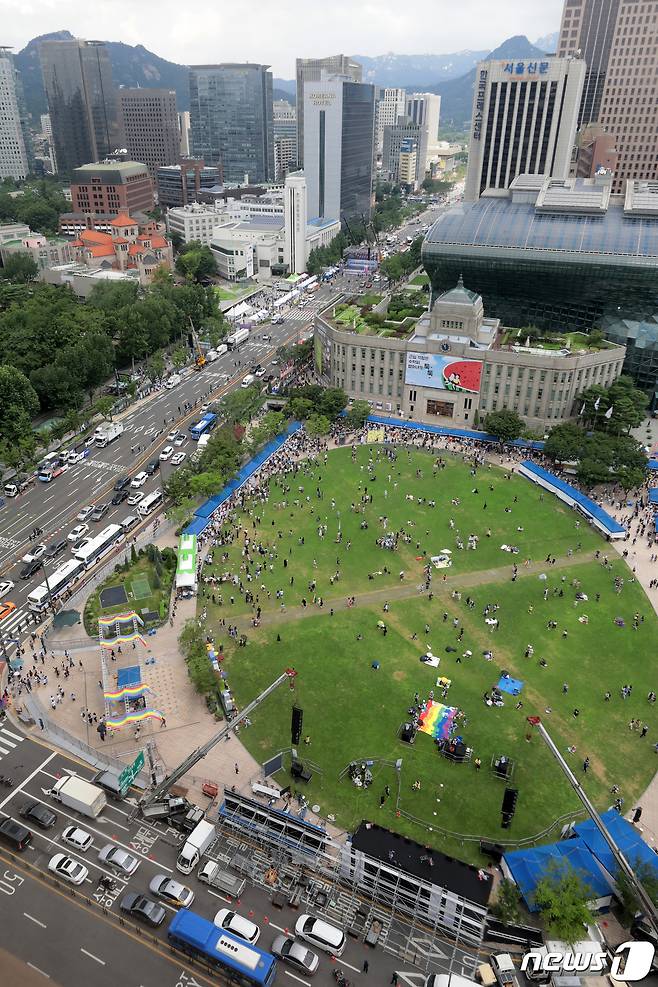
(172, 435)
(68, 868)
(239, 926)
(139, 906)
(99, 512)
(139, 480)
(39, 813)
(6, 609)
(261, 372)
(77, 533)
(119, 497)
(54, 549)
(166, 453)
(135, 498)
(117, 857)
(6, 586)
(295, 954)
(75, 456)
(319, 933)
(152, 467)
(15, 834)
(85, 513)
(78, 838)
(35, 553)
(122, 483)
(173, 892)
(178, 458)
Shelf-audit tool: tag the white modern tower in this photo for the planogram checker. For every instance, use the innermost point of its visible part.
(295, 213)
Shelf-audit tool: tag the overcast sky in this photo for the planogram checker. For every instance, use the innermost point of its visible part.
(276, 31)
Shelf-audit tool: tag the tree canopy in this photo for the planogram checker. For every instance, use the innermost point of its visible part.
(562, 899)
(195, 261)
(19, 268)
(505, 424)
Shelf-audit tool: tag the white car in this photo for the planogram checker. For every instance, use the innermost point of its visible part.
(319, 933)
(68, 868)
(135, 498)
(261, 372)
(139, 480)
(178, 458)
(275, 363)
(78, 532)
(85, 513)
(34, 553)
(239, 926)
(74, 457)
(6, 586)
(167, 453)
(90, 441)
(117, 857)
(180, 440)
(79, 838)
(172, 435)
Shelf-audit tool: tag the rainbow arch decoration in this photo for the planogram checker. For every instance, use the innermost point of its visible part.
(437, 720)
(143, 714)
(125, 627)
(126, 692)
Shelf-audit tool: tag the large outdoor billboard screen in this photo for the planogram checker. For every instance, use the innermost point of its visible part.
(445, 373)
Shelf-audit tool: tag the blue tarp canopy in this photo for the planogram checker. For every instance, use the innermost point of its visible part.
(206, 510)
(653, 496)
(625, 835)
(128, 676)
(588, 506)
(528, 867)
(652, 464)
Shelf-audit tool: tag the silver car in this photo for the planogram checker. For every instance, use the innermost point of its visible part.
(117, 857)
(173, 892)
(295, 954)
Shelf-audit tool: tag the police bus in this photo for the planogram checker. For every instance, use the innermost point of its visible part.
(150, 501)
(241, 964)
(95, 548)
(57, 582)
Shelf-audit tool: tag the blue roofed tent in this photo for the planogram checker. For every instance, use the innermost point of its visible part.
(528, 867)
(625, 835)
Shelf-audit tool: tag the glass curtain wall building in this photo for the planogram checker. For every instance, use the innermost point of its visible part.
(561, 255)
(231, 120)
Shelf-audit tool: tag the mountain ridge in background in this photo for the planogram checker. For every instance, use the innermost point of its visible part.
(451, 75)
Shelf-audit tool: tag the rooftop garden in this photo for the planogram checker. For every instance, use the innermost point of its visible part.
(577, 342)
(359, 315)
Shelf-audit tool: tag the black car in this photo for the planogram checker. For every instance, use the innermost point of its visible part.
(40, 814)
(139, 906)
(122, 483)
(55, 549)
(152, 467)
(119, 497)
(14, 833)
(30, 568)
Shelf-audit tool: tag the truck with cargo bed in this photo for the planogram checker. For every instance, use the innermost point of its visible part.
(216, 876)
(80, 795)
(201, 837)
(107, 433)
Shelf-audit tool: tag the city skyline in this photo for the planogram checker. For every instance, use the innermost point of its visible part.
(165, 29)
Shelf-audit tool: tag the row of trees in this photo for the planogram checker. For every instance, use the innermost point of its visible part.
(401, 265)
(38, 205)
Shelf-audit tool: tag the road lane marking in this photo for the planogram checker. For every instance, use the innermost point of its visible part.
(3, 751)
(26, 780)
(35, 920)
(277, 927)
(343, 963)
(37, 970)
(10, 734)
(298, 979)
(227, 900)
(91, 956)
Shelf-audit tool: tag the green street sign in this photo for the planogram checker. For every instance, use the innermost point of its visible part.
(130, 772)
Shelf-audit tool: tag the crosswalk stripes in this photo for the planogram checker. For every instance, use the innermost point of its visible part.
(8, 740)
(15, 622)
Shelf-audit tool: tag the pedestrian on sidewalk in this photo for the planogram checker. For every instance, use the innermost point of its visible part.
(237, 769)
(366, 966)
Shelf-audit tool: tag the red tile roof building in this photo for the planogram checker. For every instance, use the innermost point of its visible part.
(129, 246)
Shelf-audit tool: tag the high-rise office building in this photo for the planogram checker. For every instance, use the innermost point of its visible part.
(339, 122)
(618, 40)
(313, 70)
(524, 121)
(403, 131)
(588, 28)
(231, 119)
(295, 220)
(424, 109)
(82, 102)
(182, 183)
(14, 158)
(389, 105)
(150, 126)
(285, 138)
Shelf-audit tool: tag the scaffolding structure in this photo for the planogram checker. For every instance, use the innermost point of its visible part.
(417, 921)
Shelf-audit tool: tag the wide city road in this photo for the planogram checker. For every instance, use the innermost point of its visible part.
(75, 941)
(148, 428)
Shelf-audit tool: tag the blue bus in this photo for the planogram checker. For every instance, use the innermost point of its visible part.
(200, 428)
(241, 964)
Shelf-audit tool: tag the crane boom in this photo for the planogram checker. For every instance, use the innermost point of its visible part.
(644, 898)
(205, 749)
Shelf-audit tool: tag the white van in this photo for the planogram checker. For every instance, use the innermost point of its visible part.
(248, 380)
(129, 522)
(448, 980)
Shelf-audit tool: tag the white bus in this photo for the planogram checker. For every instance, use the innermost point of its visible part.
(100, 545)
(149, 502)
(58, 581)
